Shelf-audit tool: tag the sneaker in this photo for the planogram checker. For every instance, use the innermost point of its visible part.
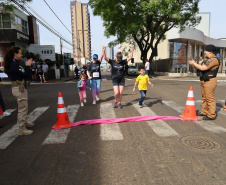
(29, 124)
(115, 105)
(82, 104)
(97, 98)
(120, 105)
(6, 114)
(141, 106)
(25, 132)
(94, 102)
(84, 100)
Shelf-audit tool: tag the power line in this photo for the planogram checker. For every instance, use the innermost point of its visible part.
(56, 15)
(40, 17)
(43, 24)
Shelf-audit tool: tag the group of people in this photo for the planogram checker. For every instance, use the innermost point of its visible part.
(40, 70)
(19, 74)
(117, 75)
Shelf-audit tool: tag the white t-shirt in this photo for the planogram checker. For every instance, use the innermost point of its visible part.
(147, 65)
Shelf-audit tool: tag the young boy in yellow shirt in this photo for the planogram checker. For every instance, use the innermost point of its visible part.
(142, 81)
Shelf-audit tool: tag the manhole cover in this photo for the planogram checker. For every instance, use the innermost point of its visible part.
(200, 143)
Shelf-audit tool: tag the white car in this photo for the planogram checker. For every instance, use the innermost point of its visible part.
(132, 70)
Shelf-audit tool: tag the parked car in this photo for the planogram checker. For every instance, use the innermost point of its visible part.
(132, 70)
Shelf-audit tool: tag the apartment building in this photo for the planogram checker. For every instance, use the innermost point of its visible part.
(17, 29)
(80, 21)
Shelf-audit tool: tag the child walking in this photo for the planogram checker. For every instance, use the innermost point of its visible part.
(142, 80)
(82, 87)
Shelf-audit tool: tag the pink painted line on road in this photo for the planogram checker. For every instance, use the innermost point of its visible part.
(130, 119)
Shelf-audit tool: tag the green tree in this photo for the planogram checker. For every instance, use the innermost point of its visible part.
(8, 5)
(144, 22)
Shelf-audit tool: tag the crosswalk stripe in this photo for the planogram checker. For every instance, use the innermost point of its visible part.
(207, 125)
(60, 136)
(9, 136)
(109, 132)
(8, 110)
(160, 127)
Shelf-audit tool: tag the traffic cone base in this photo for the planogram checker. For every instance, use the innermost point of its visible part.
(62, 116)
(190, 111)
(1, 112)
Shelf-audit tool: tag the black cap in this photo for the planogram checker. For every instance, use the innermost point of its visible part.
(210, 48)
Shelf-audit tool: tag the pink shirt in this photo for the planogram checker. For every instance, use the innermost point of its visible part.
(84, 86)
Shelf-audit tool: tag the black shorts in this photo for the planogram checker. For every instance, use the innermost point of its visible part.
(33, 72)
(118, 82)
(40, 74)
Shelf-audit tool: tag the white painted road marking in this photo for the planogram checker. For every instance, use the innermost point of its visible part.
(9, 136)
(160, 127)
(60, 136)
(112, 131)
(207, 125)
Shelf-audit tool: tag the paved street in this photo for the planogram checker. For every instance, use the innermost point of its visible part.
(133, 153)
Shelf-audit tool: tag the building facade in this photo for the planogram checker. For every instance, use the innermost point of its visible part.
(17, 29)
(179, 47)
(80, 21)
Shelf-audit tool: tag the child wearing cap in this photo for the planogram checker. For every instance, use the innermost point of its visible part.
(142, 80)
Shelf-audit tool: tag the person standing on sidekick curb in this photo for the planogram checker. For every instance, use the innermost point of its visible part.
(208, 72)
(18, 76)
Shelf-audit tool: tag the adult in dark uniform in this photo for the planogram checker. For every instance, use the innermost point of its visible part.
(18, 75)
(208, 72)
(94, 75)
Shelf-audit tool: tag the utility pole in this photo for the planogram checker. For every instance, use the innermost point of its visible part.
(62, 55)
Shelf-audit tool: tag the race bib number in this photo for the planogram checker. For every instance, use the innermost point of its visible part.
(96, 74)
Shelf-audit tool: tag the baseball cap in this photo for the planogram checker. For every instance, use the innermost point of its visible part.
(95, 56)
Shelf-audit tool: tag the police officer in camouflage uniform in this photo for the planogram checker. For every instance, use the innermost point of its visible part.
(208, 72)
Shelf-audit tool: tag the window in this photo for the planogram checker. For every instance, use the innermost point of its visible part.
(21, 25)
(5, 21)
(24, 27)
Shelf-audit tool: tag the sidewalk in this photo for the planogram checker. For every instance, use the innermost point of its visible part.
(6, 81)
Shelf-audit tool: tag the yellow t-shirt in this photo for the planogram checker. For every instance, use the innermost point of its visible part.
(143, 81)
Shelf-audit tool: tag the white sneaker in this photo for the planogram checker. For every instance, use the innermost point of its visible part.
(84, 100)
(82, 104)
(97, 98)
(6, 114)
(94, 102)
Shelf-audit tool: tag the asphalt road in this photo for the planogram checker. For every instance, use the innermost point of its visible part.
(147, 152)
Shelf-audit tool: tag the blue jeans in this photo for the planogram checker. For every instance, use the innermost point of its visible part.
(143, 95)
(96, 85)
(147, 72)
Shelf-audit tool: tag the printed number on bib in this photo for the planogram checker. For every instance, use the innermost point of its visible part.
(96, 74)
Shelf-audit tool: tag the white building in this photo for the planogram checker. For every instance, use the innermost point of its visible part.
(179, 47)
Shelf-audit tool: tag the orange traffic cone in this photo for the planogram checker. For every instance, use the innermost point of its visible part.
(190, 111)
(1, 112)
(62, 117)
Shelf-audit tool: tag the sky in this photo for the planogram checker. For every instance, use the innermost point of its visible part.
(62, 9)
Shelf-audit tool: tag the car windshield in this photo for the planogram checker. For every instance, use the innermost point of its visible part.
(132, 67)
